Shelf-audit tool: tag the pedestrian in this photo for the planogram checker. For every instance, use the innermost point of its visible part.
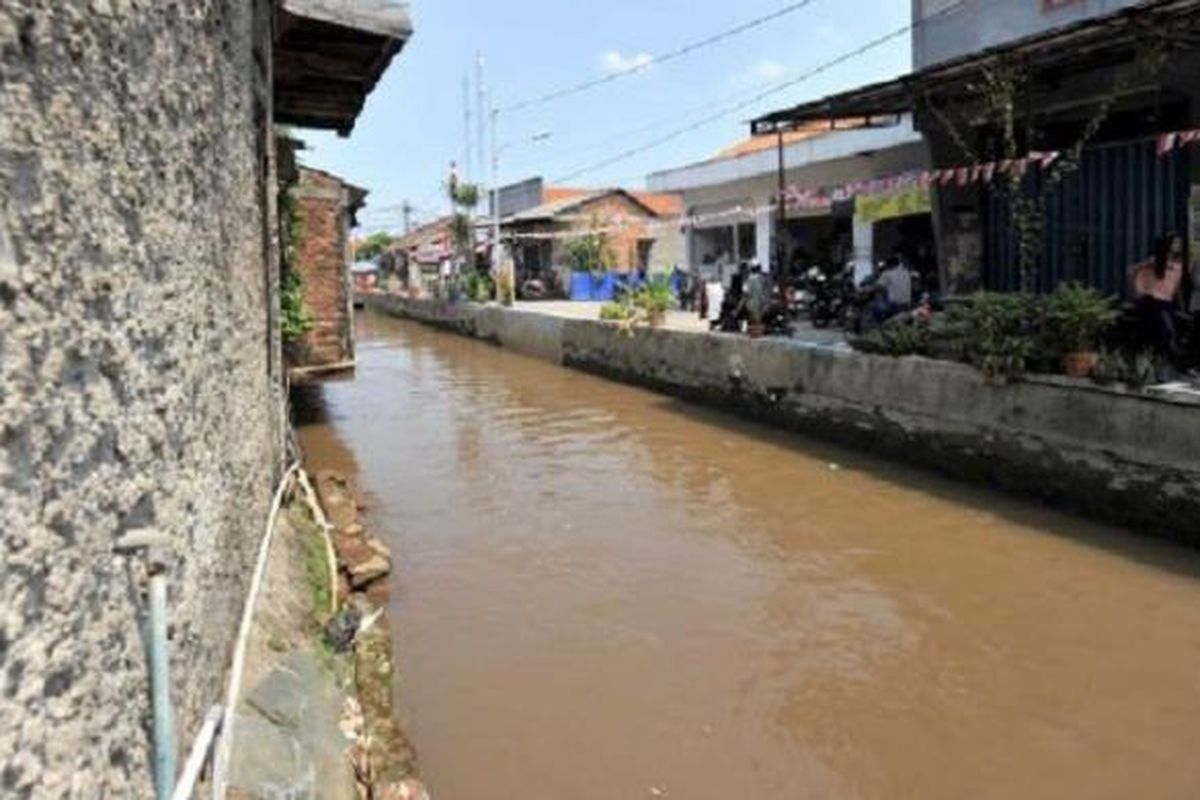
(894, 287)
(1155, 283)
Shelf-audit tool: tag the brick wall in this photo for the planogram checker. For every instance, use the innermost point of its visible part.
(324, 205)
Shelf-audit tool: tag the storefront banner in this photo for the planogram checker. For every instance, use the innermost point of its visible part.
(876, 207)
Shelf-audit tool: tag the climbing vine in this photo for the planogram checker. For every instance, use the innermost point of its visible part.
(295, 318)
(1004, 87)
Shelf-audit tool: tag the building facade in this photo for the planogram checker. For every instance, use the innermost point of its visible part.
(947, 29)
(1084, 112)
(325, 207)
(141, 370)
(730, 210)
(641, 229)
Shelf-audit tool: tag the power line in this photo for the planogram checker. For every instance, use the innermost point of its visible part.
(670, 55)
(779, 87)
(711, 118)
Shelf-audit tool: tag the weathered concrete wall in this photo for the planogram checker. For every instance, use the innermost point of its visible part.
(323, 203)
(1123, 458)
(137, 366)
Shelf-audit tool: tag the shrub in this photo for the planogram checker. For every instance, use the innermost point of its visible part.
(295, 319)
(617, 312)
(997, 331)
(1075, 318)
(655, 296)
(900, 338)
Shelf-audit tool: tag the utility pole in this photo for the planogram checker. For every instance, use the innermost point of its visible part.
(407, 210)
(781, 222)
(466, 87)
(495, 182)
(481, 112)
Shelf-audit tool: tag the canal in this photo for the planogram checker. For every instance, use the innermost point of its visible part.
(605, 593)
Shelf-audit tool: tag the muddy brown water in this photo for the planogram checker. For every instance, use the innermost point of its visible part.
(605, 593)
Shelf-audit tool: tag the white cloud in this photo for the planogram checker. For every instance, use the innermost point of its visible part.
(762, 71)
(613, 61)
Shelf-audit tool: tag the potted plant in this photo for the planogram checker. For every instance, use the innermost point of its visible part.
(654, 298)
(996, 332)
(1076, 318)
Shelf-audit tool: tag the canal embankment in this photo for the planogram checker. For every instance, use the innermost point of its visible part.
(1124, 457)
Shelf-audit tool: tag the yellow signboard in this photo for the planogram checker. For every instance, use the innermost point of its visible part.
(874, 207)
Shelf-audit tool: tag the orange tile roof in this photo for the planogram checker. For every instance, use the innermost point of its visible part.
(810, 130)
(662, 204)
(554, 194)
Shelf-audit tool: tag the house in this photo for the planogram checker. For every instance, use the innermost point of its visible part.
(1093, 158)
(414, 260)
(640, 228)
(325, 206)
(730, 201)
(143, 380)
(365, 275)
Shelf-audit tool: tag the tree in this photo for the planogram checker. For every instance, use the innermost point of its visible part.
(589, 252)
(464, 196)
(373, 246)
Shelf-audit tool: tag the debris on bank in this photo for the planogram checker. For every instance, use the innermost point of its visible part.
(317, 718)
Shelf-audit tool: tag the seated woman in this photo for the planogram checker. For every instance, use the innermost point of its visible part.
(1155, 284)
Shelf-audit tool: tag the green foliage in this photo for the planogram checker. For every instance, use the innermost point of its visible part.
(1075, 318)
(373, 246)
(477, 286)
(465, 195)
(295, 319)
(618, 312)
(899, 338)
(589, 252)
(997, 331)
(654, 297)
(1135, 369)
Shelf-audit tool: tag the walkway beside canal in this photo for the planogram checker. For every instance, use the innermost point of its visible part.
(1125, 457)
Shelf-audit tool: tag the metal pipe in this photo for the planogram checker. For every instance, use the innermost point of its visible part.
(157, 550)
(160, 689)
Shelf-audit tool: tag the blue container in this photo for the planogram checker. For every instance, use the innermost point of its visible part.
(581, 286)
(604, 288)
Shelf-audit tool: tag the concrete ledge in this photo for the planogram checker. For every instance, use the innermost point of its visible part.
(1122, 457)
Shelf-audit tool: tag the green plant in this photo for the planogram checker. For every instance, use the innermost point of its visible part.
(465, 194)
(373, 246)
(901, 338)
(997, 331)
(1075, 318)
(654, 297)
(619, 311)
(589, 252)
(1133, 368)
(295, 319)
(477, 286)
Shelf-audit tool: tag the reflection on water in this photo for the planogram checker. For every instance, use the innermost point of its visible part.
(604, 593)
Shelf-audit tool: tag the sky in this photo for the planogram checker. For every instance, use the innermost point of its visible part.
(412, 126)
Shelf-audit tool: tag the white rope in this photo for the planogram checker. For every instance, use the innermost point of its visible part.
(234, 689)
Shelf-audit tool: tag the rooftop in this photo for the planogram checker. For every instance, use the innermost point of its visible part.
(329, 54)
(1071, 49)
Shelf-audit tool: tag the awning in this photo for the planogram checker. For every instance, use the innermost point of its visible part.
(329, 54)
(1077, 48)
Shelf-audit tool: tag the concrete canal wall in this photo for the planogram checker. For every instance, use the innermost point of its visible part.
(1125, 458)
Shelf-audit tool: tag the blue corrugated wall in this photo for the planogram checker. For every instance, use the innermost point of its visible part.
(1099, 221)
